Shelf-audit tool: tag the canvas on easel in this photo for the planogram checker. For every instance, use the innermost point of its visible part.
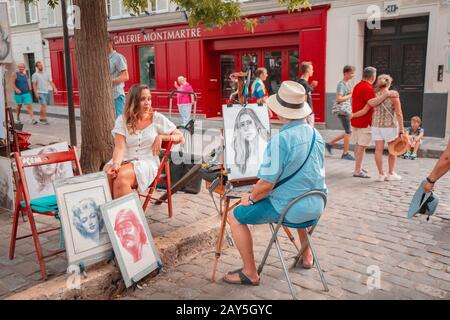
(247, 132)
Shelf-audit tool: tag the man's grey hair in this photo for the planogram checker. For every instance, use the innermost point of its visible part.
(369, 72)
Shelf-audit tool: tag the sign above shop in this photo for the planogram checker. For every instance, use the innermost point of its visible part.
(142, 36)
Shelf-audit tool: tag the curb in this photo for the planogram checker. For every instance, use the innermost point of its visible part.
(104, 280)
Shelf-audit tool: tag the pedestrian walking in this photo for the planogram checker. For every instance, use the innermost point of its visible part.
(22, 92)
(343, 109)
(184, 100)
(363, 94)
(119, 74)
(307, 70)
(387, 125)
(42, 84)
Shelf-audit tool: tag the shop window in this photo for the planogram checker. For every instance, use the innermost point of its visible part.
(162, 5)
(114, 9)
(147, 66)
(227, 67)
(294, 65)
(12, 12)
(273, 63)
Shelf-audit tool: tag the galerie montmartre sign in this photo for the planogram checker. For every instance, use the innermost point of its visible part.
(165, 35)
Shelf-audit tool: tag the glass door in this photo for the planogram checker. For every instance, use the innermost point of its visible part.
(227, 67)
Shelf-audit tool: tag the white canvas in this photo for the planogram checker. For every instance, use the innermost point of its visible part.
(6, 185)
(5, 36)
(40, 179)
(247, 132)
(79, 200)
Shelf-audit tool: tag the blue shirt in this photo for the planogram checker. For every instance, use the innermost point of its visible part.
(284, 155)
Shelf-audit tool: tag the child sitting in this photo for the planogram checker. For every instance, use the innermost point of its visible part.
(416, 134)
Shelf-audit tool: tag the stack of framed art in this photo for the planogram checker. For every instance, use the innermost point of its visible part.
(94, 225)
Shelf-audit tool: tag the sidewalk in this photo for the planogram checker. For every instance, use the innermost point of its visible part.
(431, 147)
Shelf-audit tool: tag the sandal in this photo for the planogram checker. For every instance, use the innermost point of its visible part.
(243, 279)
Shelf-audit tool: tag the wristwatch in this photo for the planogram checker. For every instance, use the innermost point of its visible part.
(430, 181)
(250, 200)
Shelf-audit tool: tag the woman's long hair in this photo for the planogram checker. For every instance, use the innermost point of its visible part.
(132, 106)
(44, 180)
(240, 145)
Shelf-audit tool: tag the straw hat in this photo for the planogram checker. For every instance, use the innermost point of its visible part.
(290, 101)
(399, 146)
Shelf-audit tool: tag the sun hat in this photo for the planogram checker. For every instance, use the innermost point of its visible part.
(399, 146)
(423, 203)
(290, 101)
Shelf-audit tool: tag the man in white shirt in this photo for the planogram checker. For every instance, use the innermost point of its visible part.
(42, 82)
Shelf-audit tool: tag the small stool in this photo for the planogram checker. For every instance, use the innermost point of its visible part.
(309, 224)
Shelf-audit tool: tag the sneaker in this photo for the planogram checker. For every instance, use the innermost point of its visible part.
(348, 156)
(328, 147)
(364, 170)
(18, 122)
(381, 178)
(394, 177)
(34, 122)
(413, 156)
(43, 121)
(362, 174)
(407, 155)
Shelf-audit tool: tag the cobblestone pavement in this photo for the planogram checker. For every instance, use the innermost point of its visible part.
(23, 271)
(364, 226)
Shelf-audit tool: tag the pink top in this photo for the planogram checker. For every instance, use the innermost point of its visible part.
(184, 98)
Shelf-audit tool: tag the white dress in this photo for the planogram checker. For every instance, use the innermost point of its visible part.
(139, 147)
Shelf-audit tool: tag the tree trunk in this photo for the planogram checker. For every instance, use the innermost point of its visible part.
(94, 83)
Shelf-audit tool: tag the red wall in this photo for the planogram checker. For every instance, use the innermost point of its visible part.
(198, 58)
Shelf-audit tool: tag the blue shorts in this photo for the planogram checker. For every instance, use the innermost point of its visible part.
(43, 98)
(119, 105)
(24, 98)
(261, 212)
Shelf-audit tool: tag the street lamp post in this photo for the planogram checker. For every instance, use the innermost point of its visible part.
(68, 63)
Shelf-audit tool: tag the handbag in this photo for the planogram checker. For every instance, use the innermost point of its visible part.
(342, 109)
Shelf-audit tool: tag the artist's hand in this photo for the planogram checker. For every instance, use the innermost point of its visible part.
(244, 200)
(157, 145)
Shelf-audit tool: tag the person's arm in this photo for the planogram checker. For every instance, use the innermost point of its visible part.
(340, 98)
(13, 84)
(118, 155)
(36, 93)
(421, 135)
(177, 86)
(121, 78)
(441, 168)
(260, 191)
(361, 112)
(398, 113)
(375, 102)
(55, 90)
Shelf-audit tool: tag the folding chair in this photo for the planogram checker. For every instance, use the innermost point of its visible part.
(309, 226)
(161, 177)
(45, 206)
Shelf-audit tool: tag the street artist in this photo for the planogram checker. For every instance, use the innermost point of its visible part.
(295, 154)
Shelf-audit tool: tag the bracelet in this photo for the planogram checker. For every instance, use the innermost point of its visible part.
(430, 181)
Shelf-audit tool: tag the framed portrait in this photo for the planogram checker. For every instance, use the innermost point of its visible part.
(247, 132)
(79, 199)
(40, 179)
(6, 184)
(5, 37)
(131, 238)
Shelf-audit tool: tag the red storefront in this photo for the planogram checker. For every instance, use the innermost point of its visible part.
(157, 56)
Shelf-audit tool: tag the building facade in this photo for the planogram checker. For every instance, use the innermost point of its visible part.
(408, 39)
